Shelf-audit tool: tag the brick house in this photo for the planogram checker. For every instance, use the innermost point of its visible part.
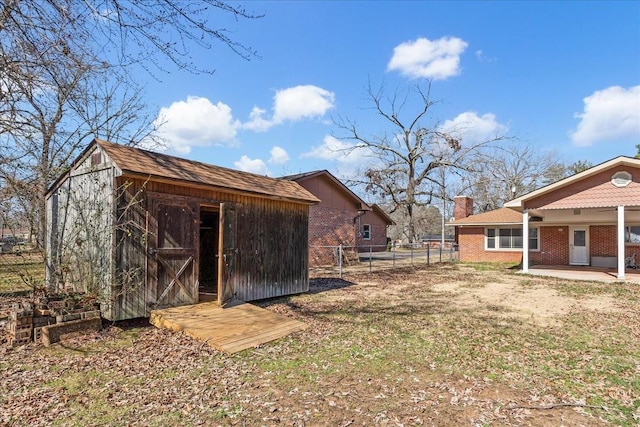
(341, 218)
(373, 230)
(588, 219)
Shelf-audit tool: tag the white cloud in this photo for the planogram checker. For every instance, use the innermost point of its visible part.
(279, 156)
(256, 122)
(424, 58)
(610, 114)
(256, 166)
(302, 102)
(292, 104)
(472, 128)
(349, 158)
(196, 122)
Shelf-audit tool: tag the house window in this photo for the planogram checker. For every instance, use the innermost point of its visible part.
(366, 232)
(533, 239)
(632, 234)
(491, 238)
(621, 179)
(510, 238)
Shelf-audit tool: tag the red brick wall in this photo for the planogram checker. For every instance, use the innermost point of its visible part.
(329, 227)
(554, 246)
(471, 240)
(378, 241)
(463, 207)
(603, 240)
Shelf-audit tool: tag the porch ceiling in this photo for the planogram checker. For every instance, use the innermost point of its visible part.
(606, 215)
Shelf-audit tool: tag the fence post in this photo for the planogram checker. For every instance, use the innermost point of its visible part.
(340, 259)
(370, 256)
(428, 255)
(411, 245)
(440, 253)
(394, 258)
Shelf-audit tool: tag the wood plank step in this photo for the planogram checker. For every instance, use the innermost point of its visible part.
(231, 329)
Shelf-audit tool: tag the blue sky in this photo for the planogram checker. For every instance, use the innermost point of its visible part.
(564, 76)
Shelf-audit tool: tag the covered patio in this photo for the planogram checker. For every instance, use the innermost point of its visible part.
(589, 219)
(573, 272)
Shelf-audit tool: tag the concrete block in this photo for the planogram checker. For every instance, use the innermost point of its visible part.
(55, 333)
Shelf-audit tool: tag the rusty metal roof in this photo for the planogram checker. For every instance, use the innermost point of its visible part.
(161, 166)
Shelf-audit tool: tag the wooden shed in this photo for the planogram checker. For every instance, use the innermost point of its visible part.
(144, 230)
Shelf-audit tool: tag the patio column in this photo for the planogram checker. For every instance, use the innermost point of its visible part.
(525, 241)
(621, 254)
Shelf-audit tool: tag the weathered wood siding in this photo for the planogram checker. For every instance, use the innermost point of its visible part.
(128, 289)
(271, 240)
(80, 219)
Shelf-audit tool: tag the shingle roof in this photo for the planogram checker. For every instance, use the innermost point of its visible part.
(138, 161)
(496, 216)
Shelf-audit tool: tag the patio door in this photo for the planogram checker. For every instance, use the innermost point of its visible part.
(578, 246)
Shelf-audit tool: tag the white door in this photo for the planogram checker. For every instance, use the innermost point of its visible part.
(578, 247)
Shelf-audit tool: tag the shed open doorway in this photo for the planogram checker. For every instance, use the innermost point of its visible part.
(209, 238)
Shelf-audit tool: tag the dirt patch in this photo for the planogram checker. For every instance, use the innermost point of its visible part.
(539, 305)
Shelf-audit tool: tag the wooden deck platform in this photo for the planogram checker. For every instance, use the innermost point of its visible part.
(234, 328)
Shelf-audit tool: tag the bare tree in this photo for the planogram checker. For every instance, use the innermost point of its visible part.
(512, 170)
(579, 166)
(427, 221)
(405, 159)
(125, 32)
(56, 105)
(66, 76)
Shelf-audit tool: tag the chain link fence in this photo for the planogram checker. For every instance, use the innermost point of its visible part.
(21, 270)
(360, 259)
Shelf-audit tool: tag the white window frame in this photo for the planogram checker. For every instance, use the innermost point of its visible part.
(496, 239)
(537, 239)
(366, 232)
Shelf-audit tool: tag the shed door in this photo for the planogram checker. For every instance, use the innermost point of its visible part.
(172, 264)
(228, 251)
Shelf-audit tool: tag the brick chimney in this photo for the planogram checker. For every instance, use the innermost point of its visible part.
(463, 207)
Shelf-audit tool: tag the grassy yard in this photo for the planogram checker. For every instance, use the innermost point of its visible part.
(20, 271)
(446, 345)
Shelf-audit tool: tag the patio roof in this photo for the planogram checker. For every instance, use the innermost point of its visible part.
(591, 196)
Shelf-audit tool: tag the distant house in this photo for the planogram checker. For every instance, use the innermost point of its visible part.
(435, 241)
(374, 225)
(341, 218)
(591, 218)
(146, 230)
